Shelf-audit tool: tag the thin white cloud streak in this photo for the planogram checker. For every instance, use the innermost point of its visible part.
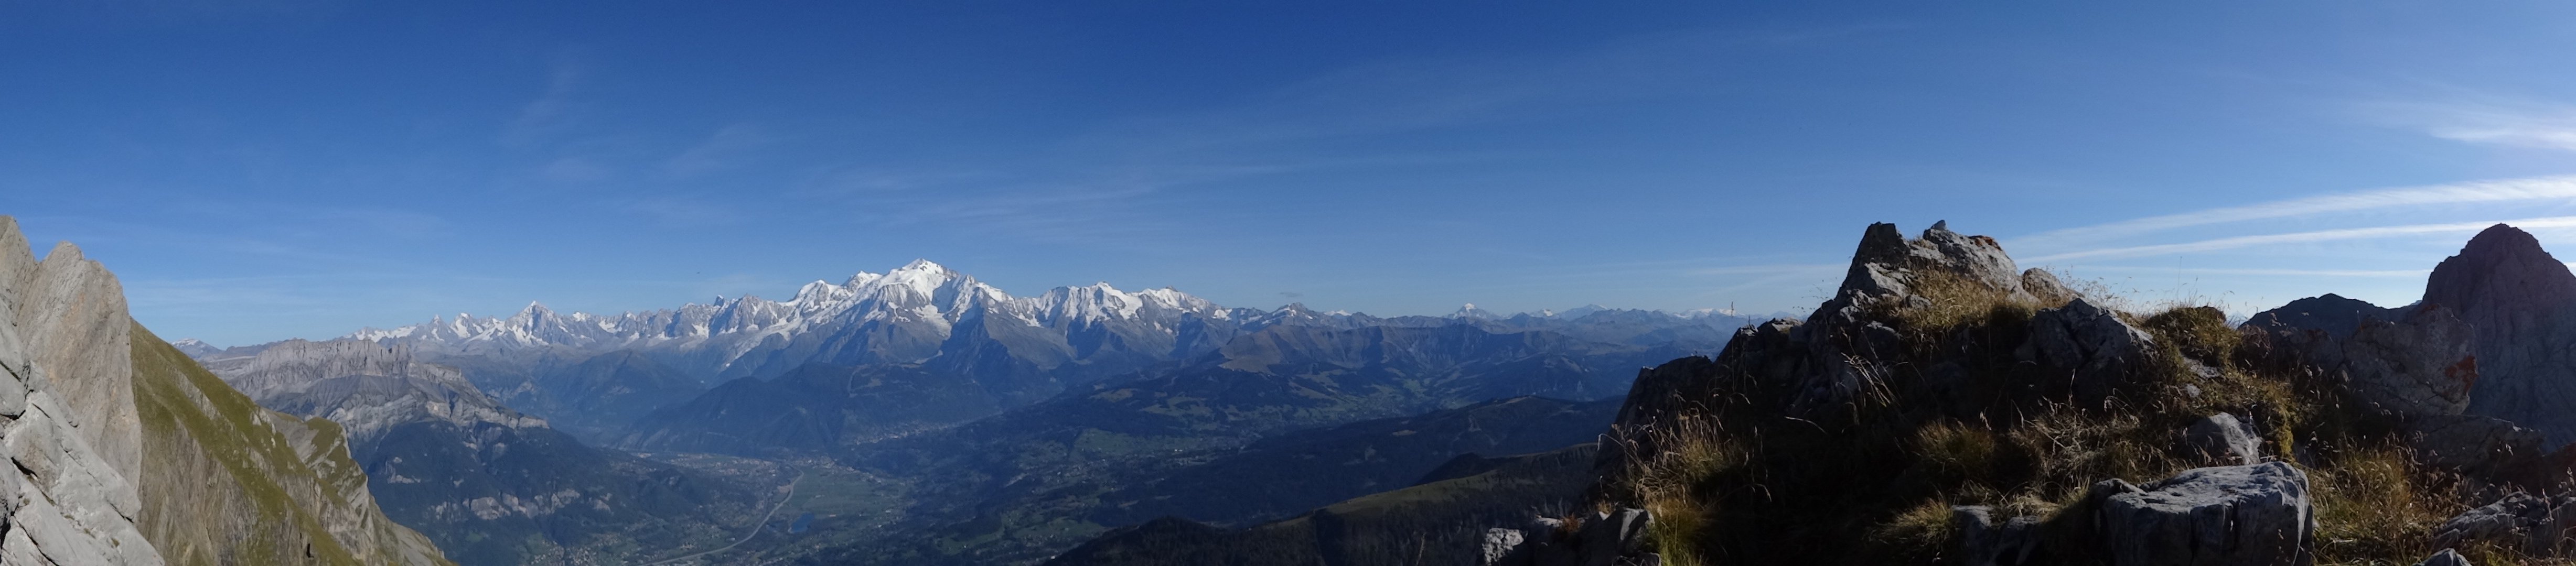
(1800, 268)
(2500, 190)
(2491, 120)
(2261, 271)
(2303, 237)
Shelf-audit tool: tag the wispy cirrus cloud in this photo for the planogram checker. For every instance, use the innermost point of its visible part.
(2240, 242)
(2473, 192)
(2487, 119)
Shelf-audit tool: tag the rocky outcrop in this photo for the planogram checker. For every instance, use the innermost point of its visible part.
(2256, 515)
(1985, 542)
(70, 498)
(108, 470)
(2406, 362)
(2522, 304)
(2538, 527)
(1615, 538)
(1848, 344)
(2416, 364)
(73, 317)
(2223, 440)
(2446, 557)
(2099, 350)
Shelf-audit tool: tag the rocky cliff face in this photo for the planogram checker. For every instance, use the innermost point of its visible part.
(120, 460)
(2522, 304)
(71, 497)
(365, 386)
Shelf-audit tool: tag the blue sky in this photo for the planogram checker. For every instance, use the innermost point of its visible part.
(308, 167)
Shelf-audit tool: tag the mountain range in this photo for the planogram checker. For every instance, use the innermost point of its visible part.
(487, 432)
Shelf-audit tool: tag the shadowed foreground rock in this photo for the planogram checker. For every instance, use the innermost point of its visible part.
(2256, 515)
(1604, 539)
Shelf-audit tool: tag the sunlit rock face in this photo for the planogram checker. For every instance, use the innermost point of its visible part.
(2521, 304)
(126, 453)
(68, 401)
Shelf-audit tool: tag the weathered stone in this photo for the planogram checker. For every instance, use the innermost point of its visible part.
(2446, 557)
(17, 266)
(1614, 538)
(72, 317)
(2416, 364)
(2536, 526)
(2522, 303)
(1502, 547)
(2421, 365)
(2042, 285)
(62, 463)
(2482, 445)
(2229, 515)
(2223, 440)
(1609, 536)
(2097, 349)
(1983, 542)
(2510, 519)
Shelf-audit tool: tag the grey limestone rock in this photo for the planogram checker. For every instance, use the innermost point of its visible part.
(2476, 444)
(71, 434)
(2417, 363)
(1615, 538)
(2538, 526)
(2229, 515)
(2421, 365)
(1500, 546)
(1985, 542)
(2446, 557)
(2223, 439)
(2522, 304)
(72, 318)
(2091, 343)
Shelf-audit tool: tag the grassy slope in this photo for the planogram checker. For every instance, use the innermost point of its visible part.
(226, 482)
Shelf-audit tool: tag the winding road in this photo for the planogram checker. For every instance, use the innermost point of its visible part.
(755, 527)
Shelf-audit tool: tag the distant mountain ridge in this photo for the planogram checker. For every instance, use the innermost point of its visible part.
(904, 315)
(490, 485)
(1013, 350)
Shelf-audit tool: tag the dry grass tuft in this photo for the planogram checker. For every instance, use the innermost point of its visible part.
(1670, 482)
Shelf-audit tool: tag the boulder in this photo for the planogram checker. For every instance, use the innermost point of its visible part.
(1503, 547)
(2446, 557)
(1983, 542)
(2091, 343)
(2537, 526)
(1615, 538)
(2229, 515)
(2474, 444)
(2224, 440)
(2042, 285)
(2420, 365)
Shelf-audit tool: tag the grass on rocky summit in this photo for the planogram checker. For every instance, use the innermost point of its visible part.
(1736, 481)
